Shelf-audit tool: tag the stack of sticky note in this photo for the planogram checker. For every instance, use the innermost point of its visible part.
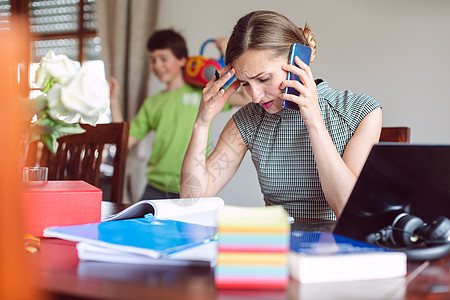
(253, 244)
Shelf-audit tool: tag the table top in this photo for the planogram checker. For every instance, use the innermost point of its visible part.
(60, 273)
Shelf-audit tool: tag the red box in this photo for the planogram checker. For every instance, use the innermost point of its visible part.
(59, 203)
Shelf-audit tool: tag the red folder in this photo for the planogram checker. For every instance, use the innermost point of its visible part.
(59, 203)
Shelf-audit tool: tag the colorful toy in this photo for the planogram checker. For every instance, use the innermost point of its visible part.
(200, 69)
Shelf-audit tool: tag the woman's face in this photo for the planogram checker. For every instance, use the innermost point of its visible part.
(261, 76)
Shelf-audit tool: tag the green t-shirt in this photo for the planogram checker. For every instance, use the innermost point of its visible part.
(171, 115)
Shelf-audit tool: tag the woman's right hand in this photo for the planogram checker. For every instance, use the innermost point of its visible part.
(214, 96)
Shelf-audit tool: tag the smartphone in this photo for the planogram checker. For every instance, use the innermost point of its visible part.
(304, 53)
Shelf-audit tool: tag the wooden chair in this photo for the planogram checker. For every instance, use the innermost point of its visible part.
(79, 156)
(395, 134)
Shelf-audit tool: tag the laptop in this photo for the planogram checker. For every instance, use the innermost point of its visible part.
(397, 178)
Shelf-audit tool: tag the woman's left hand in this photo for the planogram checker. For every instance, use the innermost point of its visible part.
(308, 99)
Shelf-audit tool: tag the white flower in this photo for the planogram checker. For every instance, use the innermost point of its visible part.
(85, 96)
(57, 67)
(72, 95)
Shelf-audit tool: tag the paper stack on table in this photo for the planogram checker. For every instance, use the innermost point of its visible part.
(253, 244)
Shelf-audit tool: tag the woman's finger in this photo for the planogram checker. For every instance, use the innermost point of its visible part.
(215, 78)
(224, 69)
(309, 78)
(215, 85)
(221, 80)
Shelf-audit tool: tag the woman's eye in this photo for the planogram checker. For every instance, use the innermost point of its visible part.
(264, 79)
(245, 84)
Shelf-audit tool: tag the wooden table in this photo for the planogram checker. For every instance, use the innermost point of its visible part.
(61, 274)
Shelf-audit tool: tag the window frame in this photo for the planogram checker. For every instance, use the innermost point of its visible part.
(21, 9)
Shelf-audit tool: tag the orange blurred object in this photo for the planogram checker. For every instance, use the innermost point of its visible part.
(15, 273)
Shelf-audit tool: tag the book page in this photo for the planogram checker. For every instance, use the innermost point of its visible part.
(201, 211)
(137, 210)
(191, 210)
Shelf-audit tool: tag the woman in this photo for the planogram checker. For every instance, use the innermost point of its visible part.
(308, 160)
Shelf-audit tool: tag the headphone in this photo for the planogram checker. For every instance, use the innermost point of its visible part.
(419, 240)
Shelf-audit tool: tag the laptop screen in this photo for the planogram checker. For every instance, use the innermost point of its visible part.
(397, 178)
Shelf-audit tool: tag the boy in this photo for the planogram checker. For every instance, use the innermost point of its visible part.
(170, 113)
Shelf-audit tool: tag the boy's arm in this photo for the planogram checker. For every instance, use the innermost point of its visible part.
(132, 141)
(116, 110)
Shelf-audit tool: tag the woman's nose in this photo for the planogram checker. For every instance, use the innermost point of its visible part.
(257, 94)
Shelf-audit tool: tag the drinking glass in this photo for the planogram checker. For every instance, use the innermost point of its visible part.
(35, 173)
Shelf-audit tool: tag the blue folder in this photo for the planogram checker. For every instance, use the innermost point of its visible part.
(145, 236)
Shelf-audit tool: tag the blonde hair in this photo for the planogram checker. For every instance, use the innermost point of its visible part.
(310, 40)
(267, 30)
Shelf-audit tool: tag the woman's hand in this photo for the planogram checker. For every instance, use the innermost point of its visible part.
(214, 96)
(308, 99)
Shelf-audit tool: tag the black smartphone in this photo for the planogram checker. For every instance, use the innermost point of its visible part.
(304, 53)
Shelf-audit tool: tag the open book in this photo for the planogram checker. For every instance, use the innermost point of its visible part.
(148, 231)
(191, 210)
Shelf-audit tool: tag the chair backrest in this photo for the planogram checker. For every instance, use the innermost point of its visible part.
(395, 134)
(79, 156)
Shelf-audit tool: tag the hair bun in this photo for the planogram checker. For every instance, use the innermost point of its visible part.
(310, 40)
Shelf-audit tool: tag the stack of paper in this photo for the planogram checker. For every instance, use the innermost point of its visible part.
(253, 245)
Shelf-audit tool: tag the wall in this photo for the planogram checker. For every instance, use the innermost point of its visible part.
(396, 51)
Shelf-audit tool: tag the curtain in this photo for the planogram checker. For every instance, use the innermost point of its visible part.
(124, 27)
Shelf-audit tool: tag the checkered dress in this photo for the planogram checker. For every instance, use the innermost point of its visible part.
(282, 154)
